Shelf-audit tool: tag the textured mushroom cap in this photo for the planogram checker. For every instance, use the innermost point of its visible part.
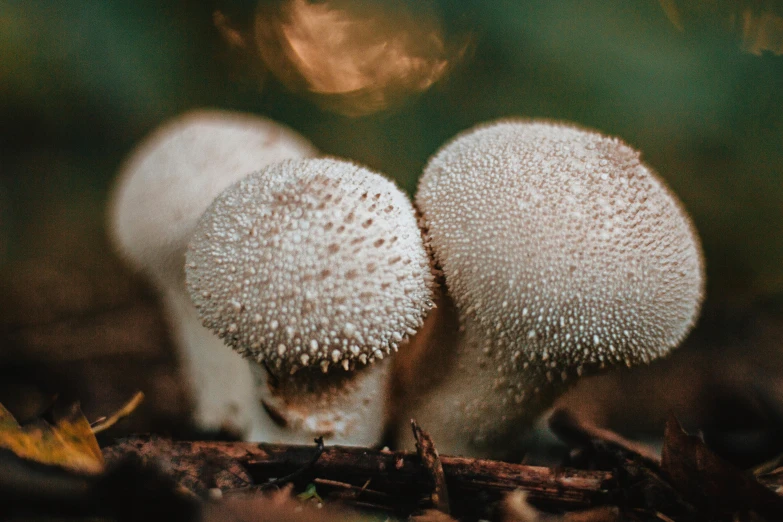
(310, 262)
(559, 245)
(175, 173)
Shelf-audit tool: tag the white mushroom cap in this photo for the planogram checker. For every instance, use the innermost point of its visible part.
(559, 242)
(563, 252)
(311, 263)
(173, 176)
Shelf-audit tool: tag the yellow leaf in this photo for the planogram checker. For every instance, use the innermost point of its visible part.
(70, 443)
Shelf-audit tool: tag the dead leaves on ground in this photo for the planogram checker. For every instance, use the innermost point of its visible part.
(69, 442)
(711, 483)
(688, 480)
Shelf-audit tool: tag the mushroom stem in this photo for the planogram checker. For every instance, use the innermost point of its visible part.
(422, 366)
(474, 410)
(222, 385)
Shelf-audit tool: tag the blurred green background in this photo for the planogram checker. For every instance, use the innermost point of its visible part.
(82, 81)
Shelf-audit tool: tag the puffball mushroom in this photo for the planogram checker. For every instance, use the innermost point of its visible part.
(316, 271)
(564, 254)
(165, 185)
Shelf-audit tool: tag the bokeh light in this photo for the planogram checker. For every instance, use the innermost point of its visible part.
(352, 57)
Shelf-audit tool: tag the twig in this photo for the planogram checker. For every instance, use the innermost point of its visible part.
(399, 475)
(354, 493)
(104, 423)
(400, 484)
(580, 433)
(431, 460)
(292, 476)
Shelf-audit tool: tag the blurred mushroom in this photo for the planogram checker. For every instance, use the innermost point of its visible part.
(316, 270)
(564, 254)
(163, 188)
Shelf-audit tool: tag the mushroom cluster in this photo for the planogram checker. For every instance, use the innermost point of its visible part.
(312, 269)
(564, 254)
(290, 279)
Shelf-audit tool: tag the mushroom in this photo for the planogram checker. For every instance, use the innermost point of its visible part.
(564, 254)
(163, 188)
(316, 271)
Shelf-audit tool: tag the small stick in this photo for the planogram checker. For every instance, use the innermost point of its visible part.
(431, 460)
(579, 433)
(291, 476)
(104, 423)
(396, 473)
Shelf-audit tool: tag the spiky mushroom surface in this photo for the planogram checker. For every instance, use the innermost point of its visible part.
(316, 270)
(311, 263)
(564, 254)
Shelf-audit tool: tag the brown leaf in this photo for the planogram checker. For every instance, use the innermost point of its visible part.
(708, 481)
(70, 443)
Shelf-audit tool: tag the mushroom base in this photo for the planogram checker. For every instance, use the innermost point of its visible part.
(343, 407)
(475, 409)
(235, 394)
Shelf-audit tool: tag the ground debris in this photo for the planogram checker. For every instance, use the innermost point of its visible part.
(431, 461)
(69, 442)
(711, 483)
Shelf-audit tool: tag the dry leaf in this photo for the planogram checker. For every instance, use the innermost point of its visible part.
(70, 443)
(710, 482)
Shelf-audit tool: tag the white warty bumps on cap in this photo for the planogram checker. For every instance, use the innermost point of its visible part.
(563, 253)
(165, 185)
(311, 263)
